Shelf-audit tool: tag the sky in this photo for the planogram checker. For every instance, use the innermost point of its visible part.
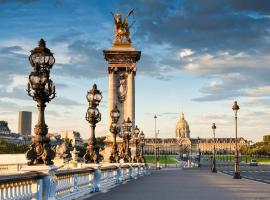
(198, 56)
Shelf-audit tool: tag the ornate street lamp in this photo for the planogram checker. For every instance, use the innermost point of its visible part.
(114, 129)
(199, 153)
(236, 175)
(42, 90)
(141, 142)
(214, 170)
(126, 135)
(135, 135)
(155, 117)
(93, 116)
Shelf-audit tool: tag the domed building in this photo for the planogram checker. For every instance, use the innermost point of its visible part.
(183, 144)
(182, 128)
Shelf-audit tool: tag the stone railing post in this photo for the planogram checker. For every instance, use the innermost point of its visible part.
(118, 175)
(50, 184)
(96, 185)
(39, 189)
(130, 169)
(75, 182)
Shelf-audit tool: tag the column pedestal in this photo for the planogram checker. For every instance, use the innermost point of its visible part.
(122, 70)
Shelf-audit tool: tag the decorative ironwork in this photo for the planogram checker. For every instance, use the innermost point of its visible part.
(135, 135)
(141, 143)
(114, 129)
(121, 57)
(93, 116)
(126, 135)
(42, 90)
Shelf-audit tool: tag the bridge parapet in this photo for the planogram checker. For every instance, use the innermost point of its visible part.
(69, 183)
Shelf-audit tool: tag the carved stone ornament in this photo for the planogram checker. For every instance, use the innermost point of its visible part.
(122, 87)
(123, 59)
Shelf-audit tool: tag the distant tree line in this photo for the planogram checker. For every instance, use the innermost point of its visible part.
(13, 148)
(259, 148)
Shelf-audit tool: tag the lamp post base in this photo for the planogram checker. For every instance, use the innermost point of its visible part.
(92, 155)
(237, 175)
(141, 159)
(214, 170)
(127, 159)
(114, 157)
(40, 153)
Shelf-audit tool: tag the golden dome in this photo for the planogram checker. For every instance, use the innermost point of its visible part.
(182, 128)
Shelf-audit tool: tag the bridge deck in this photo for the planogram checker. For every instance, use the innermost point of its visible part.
(189, 184)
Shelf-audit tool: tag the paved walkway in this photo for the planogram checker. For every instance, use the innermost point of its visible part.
(191, 184)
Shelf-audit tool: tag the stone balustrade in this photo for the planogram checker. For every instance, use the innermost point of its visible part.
(21, 186)
(6, 168)
(67, 184)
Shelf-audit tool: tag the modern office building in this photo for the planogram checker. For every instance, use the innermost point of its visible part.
(25, 123)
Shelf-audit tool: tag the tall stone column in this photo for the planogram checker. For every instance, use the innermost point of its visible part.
(112, 93)
(130, 102)
(121, 68)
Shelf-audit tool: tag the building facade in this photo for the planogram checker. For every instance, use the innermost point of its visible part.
(25, 123)
(8, 136)
(183, 144)
(4, 129)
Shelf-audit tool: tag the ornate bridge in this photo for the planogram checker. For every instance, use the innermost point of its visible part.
(67, 184)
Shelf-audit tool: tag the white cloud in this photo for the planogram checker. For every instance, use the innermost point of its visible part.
(185, 53)
(259, 91)
(17, 80)
(223, 61)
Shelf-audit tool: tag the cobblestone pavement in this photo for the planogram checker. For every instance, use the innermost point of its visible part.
(192, 184)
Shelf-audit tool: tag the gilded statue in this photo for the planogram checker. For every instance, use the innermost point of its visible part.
(122, 29)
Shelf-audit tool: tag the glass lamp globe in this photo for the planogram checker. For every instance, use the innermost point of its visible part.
(129, 123)
(41, 57)
(235, 107)
(35, 81)
(142, 135)
(115, 114)
(97, 96)
(136, 131)
(90, 97)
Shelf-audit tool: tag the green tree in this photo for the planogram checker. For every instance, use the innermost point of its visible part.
(12, 148)
(68, 146)
(100, 141)
(266, 138)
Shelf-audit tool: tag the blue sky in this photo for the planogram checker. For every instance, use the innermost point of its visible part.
(197, 55)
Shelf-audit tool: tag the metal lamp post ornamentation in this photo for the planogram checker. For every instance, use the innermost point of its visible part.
(236, 175)
(126, 135)
(155, 117)
(42, 90)
(141, 142)
(114, 129)
(199, 152)
(93, 116)
(214, 169)
(135, 135)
